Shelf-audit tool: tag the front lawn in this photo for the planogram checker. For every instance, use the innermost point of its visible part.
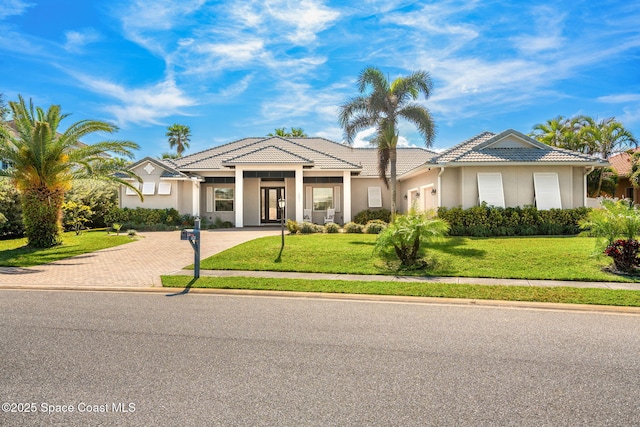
(554, 258)
(15, 253)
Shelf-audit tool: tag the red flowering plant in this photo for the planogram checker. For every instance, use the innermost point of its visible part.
(624, 254)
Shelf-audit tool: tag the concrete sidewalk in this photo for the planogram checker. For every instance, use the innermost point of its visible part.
(382, 278)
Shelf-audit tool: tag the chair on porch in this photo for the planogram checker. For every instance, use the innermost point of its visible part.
(331, 216)
(306, 216)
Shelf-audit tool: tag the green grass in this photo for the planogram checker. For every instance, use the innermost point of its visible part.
(552, 258)
(15, 253)
(565, 295)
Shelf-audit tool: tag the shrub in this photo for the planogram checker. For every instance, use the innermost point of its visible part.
(292, 226)
(307, 228)
(332, 228)
(353, 227)
(485, 221)
(149, 219)
(365, 216)
(375, 226)
(12, 211)
(405, 235)
(624, 254)
(131, 233)
(100, 197)
(75, 216)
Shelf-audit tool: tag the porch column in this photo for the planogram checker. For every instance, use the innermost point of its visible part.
(239, 197)
(195, 196)
(299, 194)
(346, 194)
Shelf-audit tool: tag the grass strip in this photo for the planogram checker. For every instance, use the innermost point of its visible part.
(16, 253)
(566, 295)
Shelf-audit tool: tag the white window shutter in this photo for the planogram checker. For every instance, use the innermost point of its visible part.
(129, 192)
(547, 189)
(164, 188)
(148, 188)
(375, 197)
(336, 198)
(490, 189)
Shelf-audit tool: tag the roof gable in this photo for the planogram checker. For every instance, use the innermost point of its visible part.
(267, 155)
(513, 147)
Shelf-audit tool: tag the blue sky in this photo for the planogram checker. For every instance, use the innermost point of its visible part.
(233, 69)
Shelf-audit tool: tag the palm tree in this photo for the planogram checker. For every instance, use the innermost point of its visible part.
(179, 136)
(294, 133)
(44, 163)
(605, 138)
(381, 104)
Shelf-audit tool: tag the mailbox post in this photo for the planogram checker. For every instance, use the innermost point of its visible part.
(193, 236)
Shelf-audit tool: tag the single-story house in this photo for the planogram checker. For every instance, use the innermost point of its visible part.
(242, 181)
(621, 164)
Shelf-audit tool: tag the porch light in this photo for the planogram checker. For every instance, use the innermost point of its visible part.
(281, 203)
(433, 191)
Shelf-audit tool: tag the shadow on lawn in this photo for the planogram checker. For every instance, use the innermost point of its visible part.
(456, 246)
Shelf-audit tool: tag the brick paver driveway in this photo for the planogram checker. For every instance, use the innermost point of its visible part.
(136, 264)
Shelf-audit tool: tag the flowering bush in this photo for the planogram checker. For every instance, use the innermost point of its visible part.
(624, 254)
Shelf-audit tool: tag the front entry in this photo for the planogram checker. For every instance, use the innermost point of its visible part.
(269, 196)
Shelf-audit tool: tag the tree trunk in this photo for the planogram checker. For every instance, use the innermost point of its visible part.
(42, 216)
(392, 172)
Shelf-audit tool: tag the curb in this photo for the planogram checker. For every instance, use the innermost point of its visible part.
(605, 309)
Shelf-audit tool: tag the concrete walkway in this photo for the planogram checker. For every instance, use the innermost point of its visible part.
(141, 263)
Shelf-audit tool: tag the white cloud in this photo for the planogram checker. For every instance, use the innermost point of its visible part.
(13, 7)
(143, 105)
(78, 39)
(306, 18)
(621, 98)
(235, 89)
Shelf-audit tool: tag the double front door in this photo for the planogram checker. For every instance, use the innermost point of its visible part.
(269, 196)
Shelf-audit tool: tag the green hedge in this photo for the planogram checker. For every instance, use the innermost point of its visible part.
(365, 216)
(148, 219)
(484, 221)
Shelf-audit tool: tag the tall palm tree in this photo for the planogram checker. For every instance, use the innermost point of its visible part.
(43, 164)
(179, 136)
(380, 105)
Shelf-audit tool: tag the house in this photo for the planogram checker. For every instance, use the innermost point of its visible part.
(242, 181)
(621, 164)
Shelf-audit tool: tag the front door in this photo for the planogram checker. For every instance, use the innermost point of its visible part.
(269, 197)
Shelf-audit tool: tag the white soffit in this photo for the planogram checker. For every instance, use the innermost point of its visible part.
(547, 189)
(490, 189)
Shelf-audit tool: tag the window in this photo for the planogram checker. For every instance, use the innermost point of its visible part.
(164, 188)
(375, 197)
(148, 188)
(129, 192)
(322, 199)
(223, 199)
(547, 189)
(629, 193)
(490, 189)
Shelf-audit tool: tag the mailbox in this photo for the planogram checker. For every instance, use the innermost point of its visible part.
(188, 235)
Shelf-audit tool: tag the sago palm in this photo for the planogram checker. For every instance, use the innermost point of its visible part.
(44, 162)
(380, 105)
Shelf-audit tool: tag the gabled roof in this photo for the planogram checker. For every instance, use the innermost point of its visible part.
(511, 146)
(314, 153)
(267, 155)
(168, 170)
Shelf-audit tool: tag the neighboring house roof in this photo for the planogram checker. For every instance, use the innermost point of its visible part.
(621, 163)
(510, 146)
(313, 153)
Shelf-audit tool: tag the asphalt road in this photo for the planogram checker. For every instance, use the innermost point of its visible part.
(148, 359)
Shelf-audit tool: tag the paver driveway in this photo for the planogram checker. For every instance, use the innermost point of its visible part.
(136, 264)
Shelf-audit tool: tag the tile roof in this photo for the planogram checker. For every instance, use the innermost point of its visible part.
(486, 148)
(621, 163)
(319, 153)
